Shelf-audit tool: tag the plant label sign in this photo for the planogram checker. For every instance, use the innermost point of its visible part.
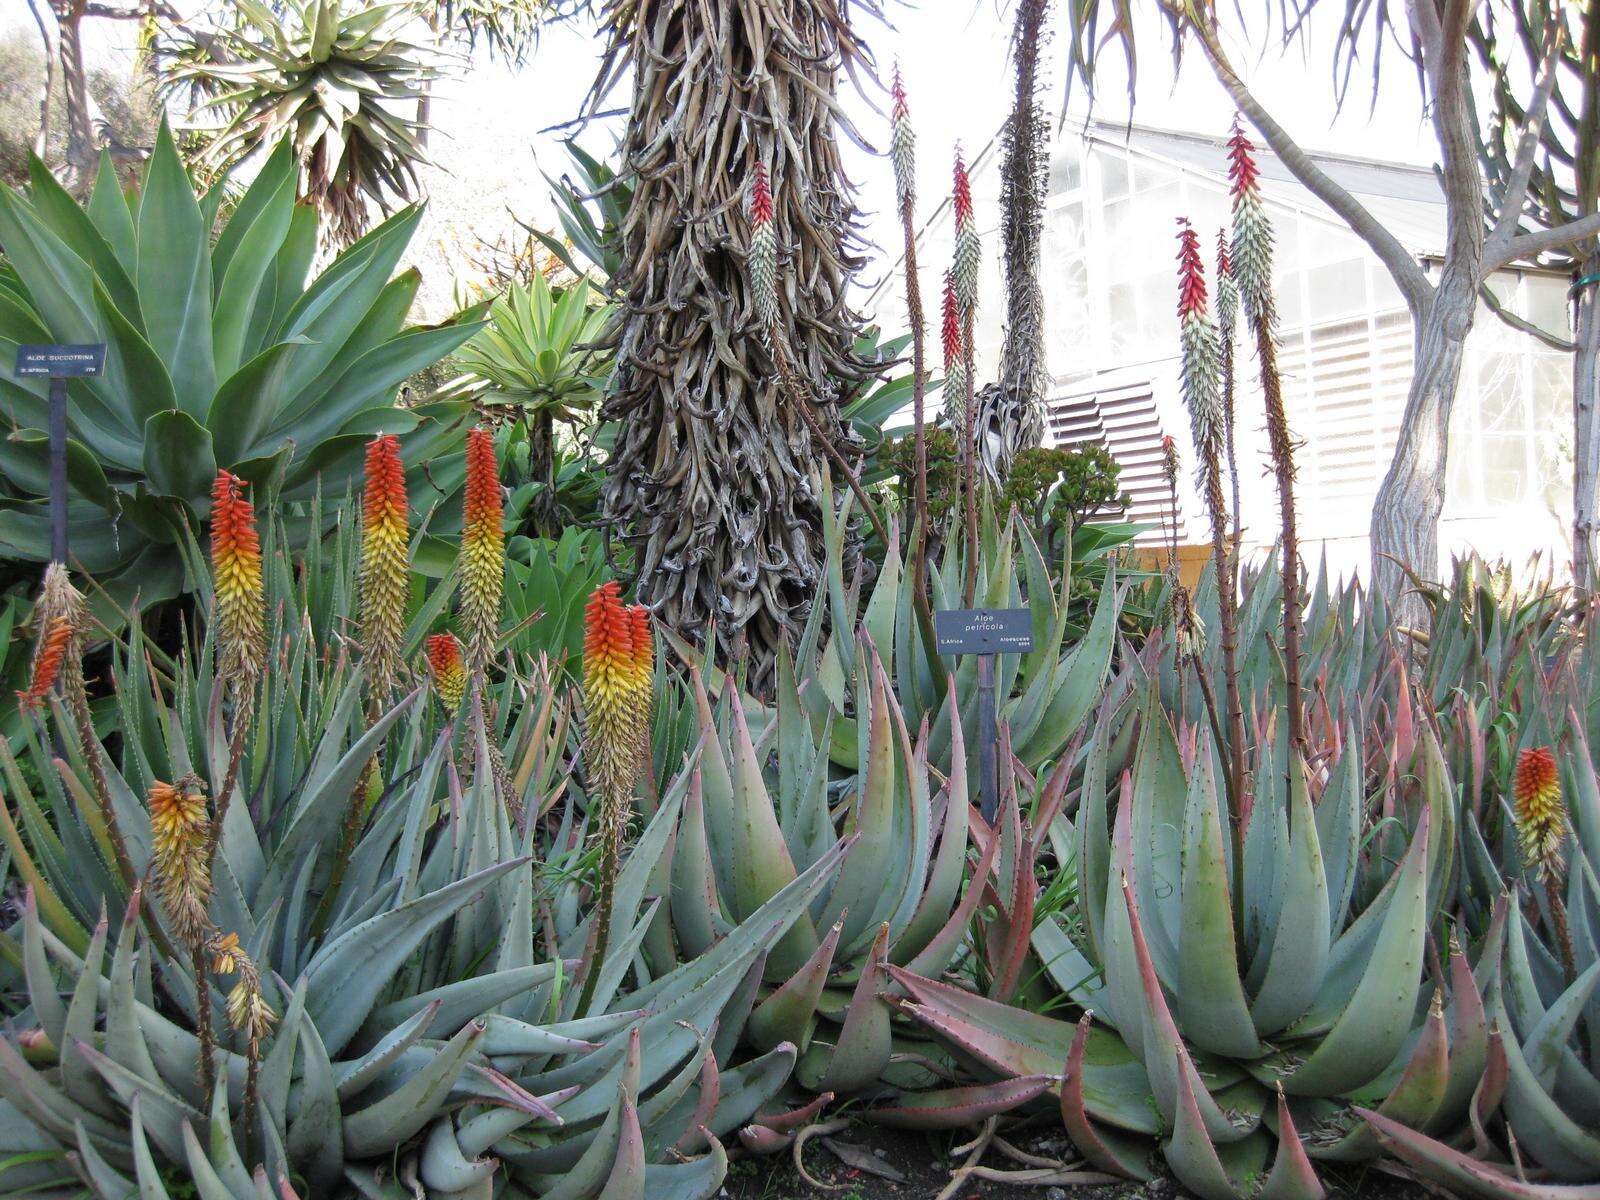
(62, 362)
(983, 631)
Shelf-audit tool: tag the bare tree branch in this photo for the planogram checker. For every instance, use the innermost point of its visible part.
(1521, 324)
(1407, 272)
(1528, 246)
(1516, 190)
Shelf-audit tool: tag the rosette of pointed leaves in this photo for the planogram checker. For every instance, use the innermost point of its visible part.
(1246, 1032)
(1251, 248)
(336, 79)
(412, 1029)
(482, 563)
(1537, 1107)
(223, 353)
(763, 259)
(385, 564)
(238, 596)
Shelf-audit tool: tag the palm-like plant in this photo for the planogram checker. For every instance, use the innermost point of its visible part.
(220, 354)
(535, 363)
(335, 78)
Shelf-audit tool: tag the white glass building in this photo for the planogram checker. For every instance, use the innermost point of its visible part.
(1110, 294)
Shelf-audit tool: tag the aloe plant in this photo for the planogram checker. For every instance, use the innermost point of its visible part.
(222, 352)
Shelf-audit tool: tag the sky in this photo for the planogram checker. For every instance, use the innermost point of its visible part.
(494, 137)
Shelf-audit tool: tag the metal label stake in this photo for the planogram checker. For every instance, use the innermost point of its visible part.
(986, 632)
(59, 364)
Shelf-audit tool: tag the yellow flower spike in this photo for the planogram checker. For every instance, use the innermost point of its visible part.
(240, 599)
(385, 564)
(1541, 812)
(449, 672)
(180, 832)
(482, 561)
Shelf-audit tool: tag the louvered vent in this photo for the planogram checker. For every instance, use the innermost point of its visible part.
(1124, 419)
(1345, 389)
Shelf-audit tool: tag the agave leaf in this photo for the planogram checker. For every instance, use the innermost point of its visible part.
(386, 1123)
(1105, 1149)
(144, 1163)
(695, 911)
(1292, 1176)
(785, 1016)
(1455, 1170)
(1209, 995)
(105, 1180)
(163, 1112)
(698, 1179)
(1543, 1128)
(1375, 1022)
(1297, 959)
(207, 1183)
(958, 1107)
(863, 1048)
(1012, 1041)
(1414, 1099)
(316, 1135)
(346, 975)
(78, 1078)
(1191, 1153)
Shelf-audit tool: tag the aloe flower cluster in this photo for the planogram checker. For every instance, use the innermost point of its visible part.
(955, 358)
(483, 551)
(48, 656)
(902, 143)
(1541, 811)
(448, 668)
(180, 839)
(1200, 372)
(240, 612)
(385, 566)
(968, 253)
(1251, 251)
(763, 249)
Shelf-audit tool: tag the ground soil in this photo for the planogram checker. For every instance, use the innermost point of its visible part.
(923, 1162)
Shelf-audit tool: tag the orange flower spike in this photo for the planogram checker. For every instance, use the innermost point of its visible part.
(47, 662)
(449, 672)
(240, 598)
(615, 681)
(385, 563)
(482, 562)
(1541, 811)
(643, 680)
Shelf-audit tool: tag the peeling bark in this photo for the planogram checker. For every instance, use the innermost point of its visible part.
(715, 477)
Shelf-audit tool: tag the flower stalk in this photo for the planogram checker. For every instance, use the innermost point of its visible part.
(482, 558)
(618, 665)
(1252, 270)
(964, 273)
(1542, 825)
(1201, 375)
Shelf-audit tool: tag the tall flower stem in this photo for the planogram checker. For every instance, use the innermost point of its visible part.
(968, 256)
(1228, 327)
(1206, 362)
(1252, 263)
(618, 658)
(902, 152)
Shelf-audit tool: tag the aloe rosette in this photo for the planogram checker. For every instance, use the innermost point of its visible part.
(423, 1032)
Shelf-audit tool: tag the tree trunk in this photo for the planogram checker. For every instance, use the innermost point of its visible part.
(81, 144)
(41, 142)
(1585, 429)
(541, 430)
(1405, 515)
(716, 476)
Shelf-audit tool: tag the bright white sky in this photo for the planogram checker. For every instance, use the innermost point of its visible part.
(489, 148)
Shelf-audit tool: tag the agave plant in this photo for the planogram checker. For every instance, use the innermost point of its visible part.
(336, 80)
(220, 354)
(535, 364)
(409, 1032)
